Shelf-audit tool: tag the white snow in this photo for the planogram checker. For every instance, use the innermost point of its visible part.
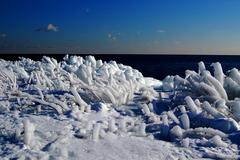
(83, 108)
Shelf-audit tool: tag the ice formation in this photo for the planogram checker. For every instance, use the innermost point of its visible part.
(79, 102)
(28, 132)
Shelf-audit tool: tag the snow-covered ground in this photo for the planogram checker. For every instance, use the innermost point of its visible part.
(82, 108)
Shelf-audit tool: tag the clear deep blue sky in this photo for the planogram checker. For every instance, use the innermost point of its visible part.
(120, 26)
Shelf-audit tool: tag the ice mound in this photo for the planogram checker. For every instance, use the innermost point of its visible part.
(77, 81)
(82, 108)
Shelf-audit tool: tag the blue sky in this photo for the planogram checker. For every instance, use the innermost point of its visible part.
(119, 26)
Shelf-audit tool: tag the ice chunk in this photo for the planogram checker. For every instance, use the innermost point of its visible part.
(168, 83)
(92, 61)
(78, 99)
(192, 106)
(165, 119)
(197, 102)
(84, 73)
(217, 85)
(235, 75)
(211, 110)
(96, 130)
(210, 90)
(221, 107)
(176, 132)
(111, 125)
(235, 107)
(173, 117)
(185, 142)
(218, 72)
(217, 141)
(99, 63)
(28, 132)
(182, 109)
(185, 122)
(204, 131)
(145, 109)
(122, 125)
(165, 126)
(151, 107)
(227, 125)
(201, 67)
(142, 128)
(232, 88)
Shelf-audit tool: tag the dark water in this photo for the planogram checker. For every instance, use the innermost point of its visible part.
(157, 66)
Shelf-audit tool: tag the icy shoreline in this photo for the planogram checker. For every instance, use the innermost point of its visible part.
(87, 108)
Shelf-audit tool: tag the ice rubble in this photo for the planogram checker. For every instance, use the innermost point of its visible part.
(97, 100)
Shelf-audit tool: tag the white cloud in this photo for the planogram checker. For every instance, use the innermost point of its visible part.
(161, 31)
(109, 35)
(49, 28)
(52, 27)
(113, 36)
